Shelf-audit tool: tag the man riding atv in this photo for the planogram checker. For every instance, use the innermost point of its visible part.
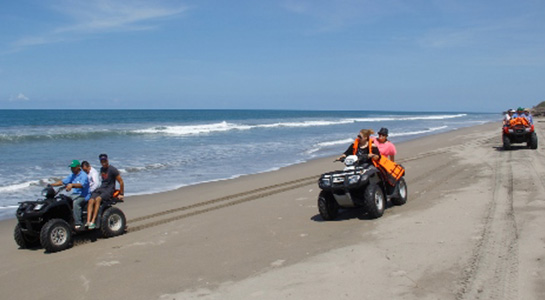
(78, 183)
(109, 175)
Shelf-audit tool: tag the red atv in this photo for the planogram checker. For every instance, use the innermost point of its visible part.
(519, 130)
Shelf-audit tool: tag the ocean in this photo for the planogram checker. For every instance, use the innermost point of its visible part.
(161, 150)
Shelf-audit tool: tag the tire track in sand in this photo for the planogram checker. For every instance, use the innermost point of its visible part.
(218, 203)
(492, 272)
(201, 207)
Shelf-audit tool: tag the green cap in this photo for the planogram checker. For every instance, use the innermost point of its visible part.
(75, 163)
(520, 109)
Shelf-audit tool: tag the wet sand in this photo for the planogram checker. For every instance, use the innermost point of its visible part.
(472, 228)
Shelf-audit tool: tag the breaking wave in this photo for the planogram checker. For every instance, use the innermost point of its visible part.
(346, 142)
(188, 130)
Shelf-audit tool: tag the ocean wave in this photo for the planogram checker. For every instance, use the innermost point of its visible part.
(81, 133)
(27, 184)
(429, 130)
(183, 130)
(413, 118)
(322, 145)
(9, 207)
(188, 130)
(155, 166)
(60, 134)
(20, 186)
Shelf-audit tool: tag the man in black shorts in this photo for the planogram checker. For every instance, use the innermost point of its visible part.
(105, 191)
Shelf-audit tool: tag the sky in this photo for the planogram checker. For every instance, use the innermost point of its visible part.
(412, 55)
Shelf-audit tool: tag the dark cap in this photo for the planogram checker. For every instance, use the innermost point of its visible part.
(103, 156)
(383, 131)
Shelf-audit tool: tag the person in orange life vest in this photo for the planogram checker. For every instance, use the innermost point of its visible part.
(528, 116)
(360, 147)
(385, 147)
(519, 118)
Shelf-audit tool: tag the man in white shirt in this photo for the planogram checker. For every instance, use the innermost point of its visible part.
(92, 174)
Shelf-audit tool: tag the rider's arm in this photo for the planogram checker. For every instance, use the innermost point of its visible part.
(121, 186)
(347, 152)
(58, 183)
(375, 153)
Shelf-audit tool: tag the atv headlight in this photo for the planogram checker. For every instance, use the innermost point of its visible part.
(39, 206)
(353, 179)
(326, 181)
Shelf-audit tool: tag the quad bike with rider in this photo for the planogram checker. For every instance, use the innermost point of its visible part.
(362, 185)
(49, 222)
(519, 130)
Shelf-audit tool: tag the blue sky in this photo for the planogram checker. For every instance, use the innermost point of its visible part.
(483, 56)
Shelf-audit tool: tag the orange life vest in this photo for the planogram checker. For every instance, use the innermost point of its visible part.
(355, 146)
(391, 170)
(519, 121)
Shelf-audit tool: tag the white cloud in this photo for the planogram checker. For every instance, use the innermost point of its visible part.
(335, 15)
(103, 16)
(18, 98)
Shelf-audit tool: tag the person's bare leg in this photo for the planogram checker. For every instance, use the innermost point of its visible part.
(95, 210)
(90, 207)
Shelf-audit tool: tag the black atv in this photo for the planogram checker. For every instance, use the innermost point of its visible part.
(358, 185)
(50, 222)
(519, 133)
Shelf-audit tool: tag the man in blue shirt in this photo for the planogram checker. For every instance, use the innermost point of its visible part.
(78, 183)
(528, 116)
(519, 113)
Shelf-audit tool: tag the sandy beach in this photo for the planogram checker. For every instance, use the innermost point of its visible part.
(472, 228)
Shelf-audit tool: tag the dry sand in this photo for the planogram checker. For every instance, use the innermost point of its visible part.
(473, 228)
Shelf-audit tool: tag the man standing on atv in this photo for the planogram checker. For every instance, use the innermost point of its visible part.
(106, 190)
(78, 183)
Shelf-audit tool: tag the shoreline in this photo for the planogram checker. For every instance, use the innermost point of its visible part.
(288, 139)
(8, 212)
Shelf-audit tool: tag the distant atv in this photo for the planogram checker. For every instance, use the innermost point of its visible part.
(50, 222)
(519, 131)
(364, 186)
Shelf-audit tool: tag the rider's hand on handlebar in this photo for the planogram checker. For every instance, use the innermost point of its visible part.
(340, 158)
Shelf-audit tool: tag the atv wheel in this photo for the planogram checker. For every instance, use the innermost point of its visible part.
(374, 201)
(532, 143)
(506, 142)
(401, 190)
(113, 222)
(56, 235)
(327, 206)
(24, 241)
